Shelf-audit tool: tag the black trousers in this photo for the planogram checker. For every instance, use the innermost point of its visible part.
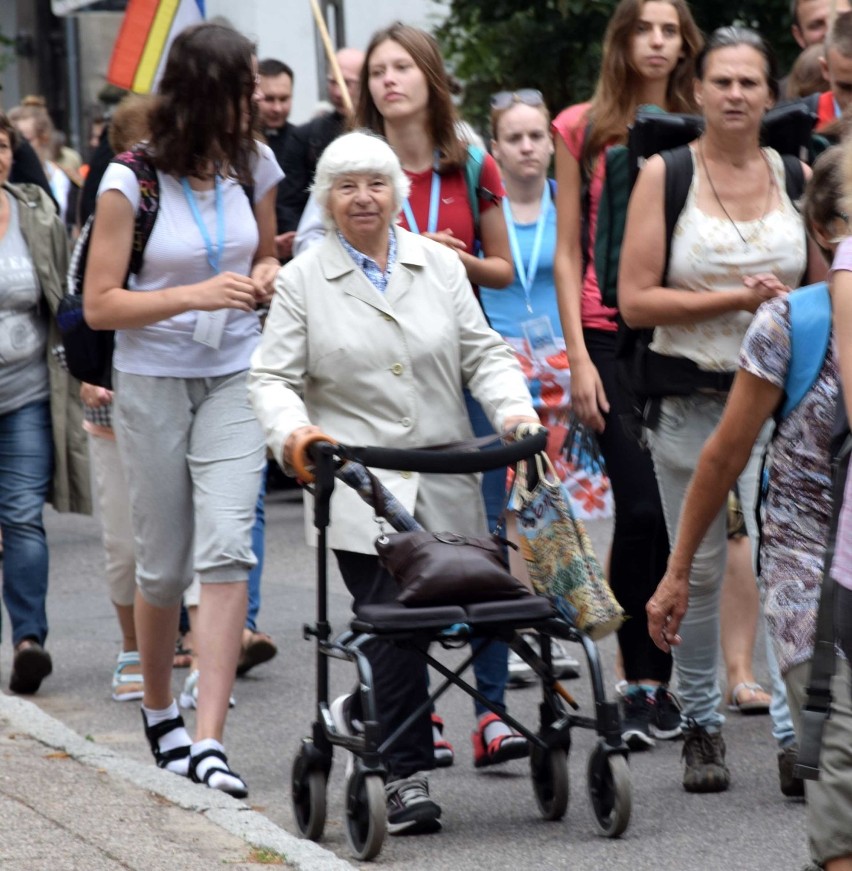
(399, 674)
(640, 543)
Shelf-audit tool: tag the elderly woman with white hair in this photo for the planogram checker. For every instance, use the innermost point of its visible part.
(371, 338)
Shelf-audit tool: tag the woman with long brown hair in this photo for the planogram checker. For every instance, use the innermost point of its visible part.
(186, 326)
(648, 54)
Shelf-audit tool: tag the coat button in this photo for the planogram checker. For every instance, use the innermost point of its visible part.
(397, 368)
(405, 475)
(406, 421)
(387, 317)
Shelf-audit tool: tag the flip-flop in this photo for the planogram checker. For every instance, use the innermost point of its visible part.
(752, 704)
(259, 648)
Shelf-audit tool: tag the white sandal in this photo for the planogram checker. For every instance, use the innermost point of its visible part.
(127, 687)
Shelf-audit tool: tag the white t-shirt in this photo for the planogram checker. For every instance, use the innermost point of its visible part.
(176, 255)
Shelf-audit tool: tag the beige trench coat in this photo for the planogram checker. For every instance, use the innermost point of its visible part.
(384, 369)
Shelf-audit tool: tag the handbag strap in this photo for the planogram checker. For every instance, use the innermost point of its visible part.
(817, 704)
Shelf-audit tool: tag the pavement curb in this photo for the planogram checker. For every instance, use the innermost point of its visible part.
(228, 813)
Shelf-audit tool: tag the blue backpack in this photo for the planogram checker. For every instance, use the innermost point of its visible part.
(810, 337)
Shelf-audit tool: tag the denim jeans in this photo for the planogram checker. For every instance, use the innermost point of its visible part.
(685, 425)
(491, 667)
(258, 545)
(26, 468)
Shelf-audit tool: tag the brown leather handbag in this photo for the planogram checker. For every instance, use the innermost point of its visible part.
(445, 568)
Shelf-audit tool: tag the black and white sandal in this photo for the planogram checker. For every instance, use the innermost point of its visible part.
(176, 759)
(210, 767)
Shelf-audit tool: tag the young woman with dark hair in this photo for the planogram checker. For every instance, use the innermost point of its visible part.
(648, 58)
(185, 329)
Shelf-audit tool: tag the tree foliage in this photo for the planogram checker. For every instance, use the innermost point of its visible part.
(555, 45)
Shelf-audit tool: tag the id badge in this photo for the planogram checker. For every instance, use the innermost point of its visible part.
(540, 338)
(209, 327)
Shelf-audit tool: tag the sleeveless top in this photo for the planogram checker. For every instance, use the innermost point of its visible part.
(708, 255)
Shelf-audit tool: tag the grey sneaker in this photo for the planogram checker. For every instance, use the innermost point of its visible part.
(410, 810)
(791, 786)
(189, 693)
(564, 665)
(704, 757)
(342, 719)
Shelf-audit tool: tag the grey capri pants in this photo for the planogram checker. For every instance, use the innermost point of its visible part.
(193, 452)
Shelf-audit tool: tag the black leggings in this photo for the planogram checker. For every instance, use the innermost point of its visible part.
(399, 673)
(640, 544)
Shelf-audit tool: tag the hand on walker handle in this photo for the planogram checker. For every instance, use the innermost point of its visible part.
(295, 450)
(520, 426)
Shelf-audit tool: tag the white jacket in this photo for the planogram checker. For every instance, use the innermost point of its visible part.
(384, 369)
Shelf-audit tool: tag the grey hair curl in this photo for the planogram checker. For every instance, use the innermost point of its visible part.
(358, 152)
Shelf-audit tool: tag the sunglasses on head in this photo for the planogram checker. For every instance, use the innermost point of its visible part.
(527, 96)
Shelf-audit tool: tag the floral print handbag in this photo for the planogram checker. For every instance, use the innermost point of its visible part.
(557, 551)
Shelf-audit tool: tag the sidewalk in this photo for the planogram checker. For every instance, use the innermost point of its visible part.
(68, 804)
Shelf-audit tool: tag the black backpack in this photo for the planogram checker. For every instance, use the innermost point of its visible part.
(88, 352)
(787, 128)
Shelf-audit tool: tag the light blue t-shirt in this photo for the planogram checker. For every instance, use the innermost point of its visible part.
(507, 309)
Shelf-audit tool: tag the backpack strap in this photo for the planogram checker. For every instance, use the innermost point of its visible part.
(679, 171)
(475, 191)
(810, 335)
(138, 161)
(794, 176)
(585, 204)
(817, 706)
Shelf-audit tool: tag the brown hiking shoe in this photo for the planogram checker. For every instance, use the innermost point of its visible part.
(704, 757)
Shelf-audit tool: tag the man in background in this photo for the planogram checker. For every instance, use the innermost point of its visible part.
(322, 130)
(836, 63)
(276, 85)
(811, 20)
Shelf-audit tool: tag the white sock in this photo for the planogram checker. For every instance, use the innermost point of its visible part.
(221, 777)
(495, 729)
(177, 737)
(436, 734)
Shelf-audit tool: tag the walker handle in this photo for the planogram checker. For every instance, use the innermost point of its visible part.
(454, 461)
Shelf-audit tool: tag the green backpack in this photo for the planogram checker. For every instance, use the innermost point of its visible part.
(653, 131)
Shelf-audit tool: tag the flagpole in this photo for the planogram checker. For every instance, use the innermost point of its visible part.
(330, 56)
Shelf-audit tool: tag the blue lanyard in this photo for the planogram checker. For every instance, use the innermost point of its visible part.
(434, 202)
(526, 275)
(214, 255)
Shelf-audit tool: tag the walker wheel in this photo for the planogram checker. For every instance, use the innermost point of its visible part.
(550, 781)
(308, 798)
(610, 791)
(366, 814)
